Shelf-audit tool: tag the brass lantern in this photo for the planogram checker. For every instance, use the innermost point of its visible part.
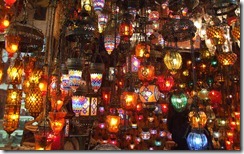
(11, 44)
(15, 72)
(173, 61)
(11, 118)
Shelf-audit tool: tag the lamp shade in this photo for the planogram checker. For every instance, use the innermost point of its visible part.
(197, 141)
(179, 101)
(96, 75)
(9, 2)
(14, 96)
(227, 58)
(173, 61)
(98, 5)
(149, 94)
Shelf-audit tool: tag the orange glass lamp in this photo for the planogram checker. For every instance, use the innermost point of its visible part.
(29, 64)
(43, 84)
(125, 28)
(197, 119)
(149, 94)
(142, 50)
(34, 76)
(11, 118)
(146, 72)
(129, 99)
(57, 121)
(14, 96)
(11, 44)
(15, 72)
(106, 95)
(96, 75)
(216, 35)
(44, 136)
(173, 61)
(1, 71)
(112, 122)
(56, 104)
(34, 101)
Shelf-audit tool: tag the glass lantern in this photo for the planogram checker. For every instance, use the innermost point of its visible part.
(149, 94)
(179, 101)
(14, 96)
(146, 72)
(11, 118)
(112, 122)
(173, 61)
(197, 119)
(57, 121)
(145, 134)
(15, 72)
(129, 99)
(11, 44)
(142, 50)
(96, 75)
(197, 141)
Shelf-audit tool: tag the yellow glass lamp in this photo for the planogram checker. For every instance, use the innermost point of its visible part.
(11, 118)
(173, 61)
(15, 72)
(142, 50)
(14, 96)
(197, 119)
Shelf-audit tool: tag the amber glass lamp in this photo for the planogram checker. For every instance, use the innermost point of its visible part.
(43, 84)
(142, 50)
(106, 95)
(125, 28)
(113, 122)
(35, 75)
(1, 71)
(57, 121)
(11, 44)
(129, 99)
(15, 72)
(197, 119)
(146, 72)
(11, 118)
(14, 96)
(227, 58)
(34, 101)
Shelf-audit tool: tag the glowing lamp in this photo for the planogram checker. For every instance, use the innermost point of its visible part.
(56, 104)
(145, 134)
(96, 75)
(11, 118)
(64, 86)
(34, 101)
(215, 96)
(146, 72)
(197, 119)
(34, 76)
(78, 100)
(1, 71)
(153, 16)
(57, 121)
(11, 44)
(9, 3)
(44, 136)
(14, 96)
(74, 66)
(203, 94)
(132, 64)
(173, 61)
(106, 95)
(111, 37)
(149, 94)
(179, 101)
(102, 21)
(164, 107)
(43, 85)
(98, 5)
(227, 58)
(216, 35)
(125, 28)
(165, 83)
(142, 50)
(15, 72)
(129, 99)
(112, 122)
(197, 141)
